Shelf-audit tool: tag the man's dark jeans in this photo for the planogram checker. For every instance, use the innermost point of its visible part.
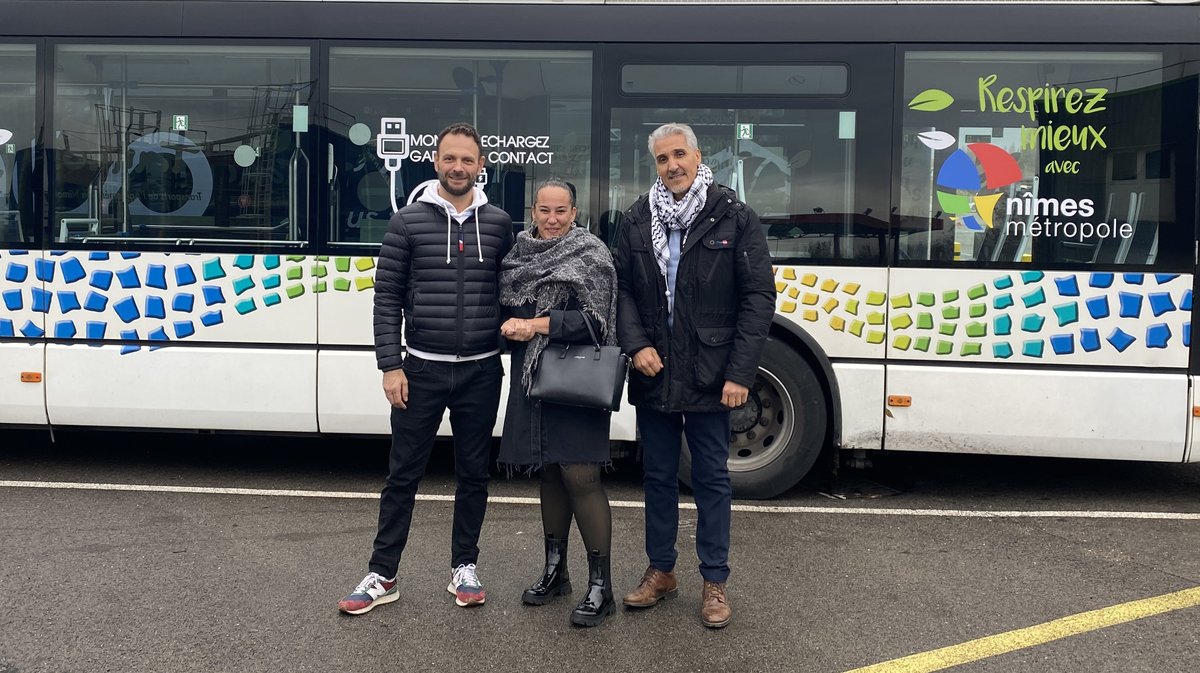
(471, 390)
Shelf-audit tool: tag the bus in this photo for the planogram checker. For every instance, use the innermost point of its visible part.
(982, 216)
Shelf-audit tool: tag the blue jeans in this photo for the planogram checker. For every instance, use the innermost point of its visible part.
(708, 440)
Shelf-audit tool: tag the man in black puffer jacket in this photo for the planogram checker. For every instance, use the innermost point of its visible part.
(695, 298)
(437, 277)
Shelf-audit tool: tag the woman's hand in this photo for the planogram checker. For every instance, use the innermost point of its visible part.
(517, 329)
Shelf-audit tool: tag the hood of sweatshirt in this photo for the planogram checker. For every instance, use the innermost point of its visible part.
(427, 192)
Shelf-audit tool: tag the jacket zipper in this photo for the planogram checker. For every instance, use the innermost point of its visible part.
(461, 286)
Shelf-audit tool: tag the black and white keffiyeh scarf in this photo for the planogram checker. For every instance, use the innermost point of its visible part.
(547, 272)
(667, 213)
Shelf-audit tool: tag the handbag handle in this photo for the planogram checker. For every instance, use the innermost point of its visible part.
(587, 322)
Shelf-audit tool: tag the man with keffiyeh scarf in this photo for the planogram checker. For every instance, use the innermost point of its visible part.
(695, 299)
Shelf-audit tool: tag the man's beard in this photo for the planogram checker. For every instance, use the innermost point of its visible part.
(444, 181)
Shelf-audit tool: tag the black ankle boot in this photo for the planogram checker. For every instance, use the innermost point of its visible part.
(554, 581)
(598, 604)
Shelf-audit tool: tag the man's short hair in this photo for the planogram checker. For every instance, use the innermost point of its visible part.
(674, 128)
(461, 129)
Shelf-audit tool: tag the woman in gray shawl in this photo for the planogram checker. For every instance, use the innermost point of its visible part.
(556, 277)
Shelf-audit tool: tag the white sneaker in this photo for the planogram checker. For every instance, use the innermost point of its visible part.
(373, 590)
(465, 586)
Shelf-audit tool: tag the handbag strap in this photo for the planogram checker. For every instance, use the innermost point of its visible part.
(591, 332)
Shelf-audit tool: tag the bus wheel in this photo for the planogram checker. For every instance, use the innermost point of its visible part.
(778, 433)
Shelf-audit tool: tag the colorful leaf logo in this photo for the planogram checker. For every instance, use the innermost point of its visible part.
(938, 140)
(931, 100)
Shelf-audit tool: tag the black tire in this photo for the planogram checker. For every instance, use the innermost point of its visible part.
(778, 434)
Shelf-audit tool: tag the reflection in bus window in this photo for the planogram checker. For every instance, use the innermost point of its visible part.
(1041, 158)
(179, 144)
(17, 105)
(386, 106)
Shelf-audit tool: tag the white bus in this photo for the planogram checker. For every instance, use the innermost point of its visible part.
(982, 215)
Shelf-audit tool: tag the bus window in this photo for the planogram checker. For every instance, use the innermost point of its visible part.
(1047, 159)
(178, 144)
(17, 127)
(386, 106)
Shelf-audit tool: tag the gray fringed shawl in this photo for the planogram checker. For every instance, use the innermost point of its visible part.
(548, 272)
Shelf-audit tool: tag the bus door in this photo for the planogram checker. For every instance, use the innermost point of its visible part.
(23, 265)
(802, 135)
(1041, 295)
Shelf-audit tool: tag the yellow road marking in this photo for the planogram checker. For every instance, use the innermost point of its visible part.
(1002, 643)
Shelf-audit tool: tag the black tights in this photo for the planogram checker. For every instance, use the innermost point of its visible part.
(576, 489)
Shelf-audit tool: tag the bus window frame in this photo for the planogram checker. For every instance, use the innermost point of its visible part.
(38, 190)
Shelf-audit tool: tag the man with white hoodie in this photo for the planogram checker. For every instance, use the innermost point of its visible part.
(437, 278)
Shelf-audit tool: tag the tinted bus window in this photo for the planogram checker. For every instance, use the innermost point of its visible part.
(1046, 159)
(786, 80)
(386, 106)
(17, 128)
(181, 143)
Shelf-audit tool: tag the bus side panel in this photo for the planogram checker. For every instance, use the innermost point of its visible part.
(1192, 455)
(1039, 412)
(200, 388)
(861, 391)
(24, 402)
(843, 308)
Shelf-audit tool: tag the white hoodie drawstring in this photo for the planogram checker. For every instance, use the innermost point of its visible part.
(478, 244)
(447, 235)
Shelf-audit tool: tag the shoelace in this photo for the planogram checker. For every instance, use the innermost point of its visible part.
(465, 575)
(367, 582)
(714, 591)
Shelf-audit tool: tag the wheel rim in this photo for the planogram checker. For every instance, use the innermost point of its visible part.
(762, 428)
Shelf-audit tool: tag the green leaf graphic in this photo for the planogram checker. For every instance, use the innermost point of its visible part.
(931, 100)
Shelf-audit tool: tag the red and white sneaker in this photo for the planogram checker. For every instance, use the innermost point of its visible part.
(373, 590)
(465, 586)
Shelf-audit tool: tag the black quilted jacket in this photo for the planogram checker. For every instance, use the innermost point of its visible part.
(448, 306)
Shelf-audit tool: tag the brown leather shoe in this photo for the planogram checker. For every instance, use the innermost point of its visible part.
(654, 587)
(716, 612)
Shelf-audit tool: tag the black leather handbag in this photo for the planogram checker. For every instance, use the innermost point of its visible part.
(581, 375)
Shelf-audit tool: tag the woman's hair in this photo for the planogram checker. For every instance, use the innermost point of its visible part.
(555, 182)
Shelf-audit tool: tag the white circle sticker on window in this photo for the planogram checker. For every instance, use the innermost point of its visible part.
(245, 156)
(360, 134)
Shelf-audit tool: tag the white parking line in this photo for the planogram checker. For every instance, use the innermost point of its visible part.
(631, 504)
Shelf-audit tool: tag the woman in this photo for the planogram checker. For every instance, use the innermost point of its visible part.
(556, 277)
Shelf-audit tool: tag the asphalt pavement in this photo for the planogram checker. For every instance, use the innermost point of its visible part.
(857, 569)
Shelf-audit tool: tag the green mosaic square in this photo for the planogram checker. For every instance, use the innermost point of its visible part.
(901, 321)
(341, 284)
(342, 264)
(852, 306)
(875, 318)
(295, 258)
(945, 347)
(922, 344)
(971, 348)
(977, 330)
(319, 286)
(322, 258)
(876, 298)
(875, 337)
(947, 328)
(977, 310)
(294, 291)
(295, 273)
(902, 301)
(949, 296)
(856, 328)
(926, 299)
(950, 313)
(924, 321)
(320, 271)
(902, 342)
(977, 291)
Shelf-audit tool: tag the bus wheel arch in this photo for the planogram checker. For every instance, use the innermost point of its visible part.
(790, 418)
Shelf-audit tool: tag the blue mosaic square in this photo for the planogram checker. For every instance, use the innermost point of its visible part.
(212, 318)
(129, 335)
(271, 261)
(32, 331)
(130, 255)
(1120, 340)
(244, 262)
(16, 273)
(1033, 348)
(41, 299)
(101, 279)
(44, 270)
(126, 309)
(97, 256)
(1160, 303)
(126, 350)
(1032, 323)
(1062, 344)
(1164, 278)
(1002, 301)
(1185, 304)
(271, 299)
(271, 282)
(156, 276)
(1101, 280)
(1067, 313)
(1068, 286)
(96, 329)
(1131, 305)
(212, 269)
(1134, 278)
(1097, 307)
(129, 278)
(184, 275)
(1035, 298)
(1002, 350)
(242, 284)
(155, 307)
(1187, 334)
(183, 302)
(95, 302)
(1028, 277)
(13, 300)
(184, 329)
(213, 295)
(246, 306)
(6, 328)
(64, 329)
(1158, 336)
(157, 334)
(72, 270)
(18, 252)
(1002, 325)
(57, 253)
(1089, 339)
